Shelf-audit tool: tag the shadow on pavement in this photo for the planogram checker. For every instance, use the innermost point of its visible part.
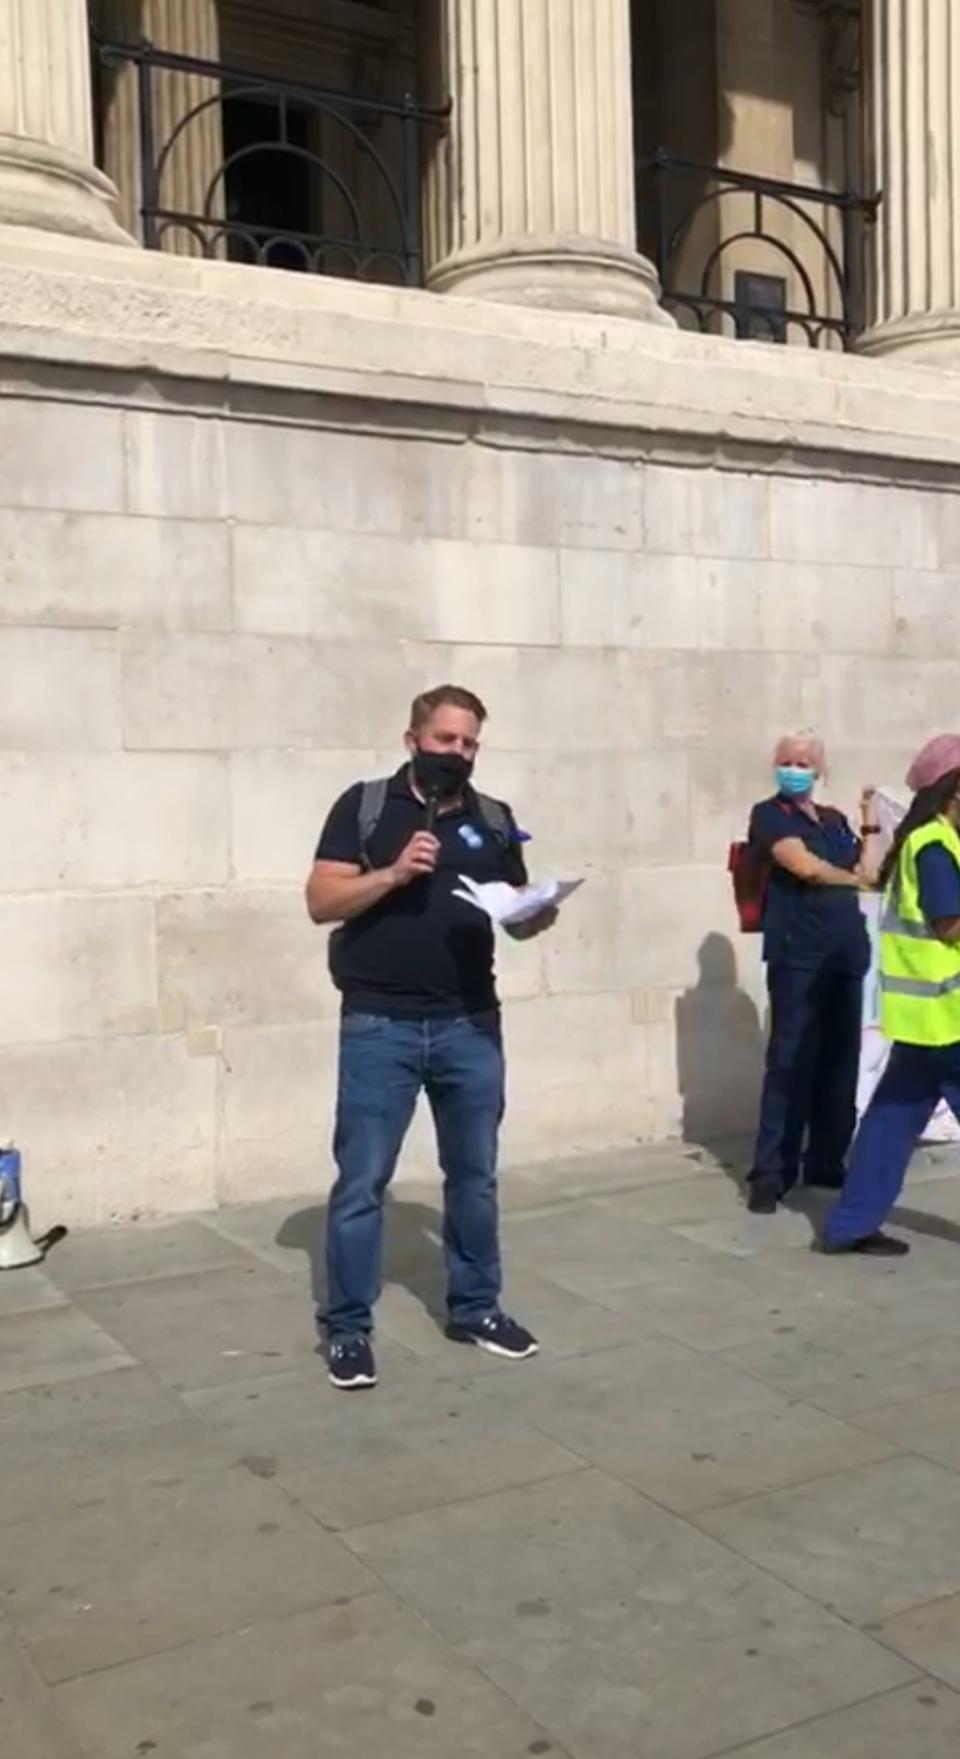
(413, 1251)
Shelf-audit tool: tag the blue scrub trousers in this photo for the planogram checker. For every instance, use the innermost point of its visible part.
(810, 1083)
(915, 1079)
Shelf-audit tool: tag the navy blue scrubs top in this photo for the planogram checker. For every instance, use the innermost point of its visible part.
(803, 924)
(938, 877)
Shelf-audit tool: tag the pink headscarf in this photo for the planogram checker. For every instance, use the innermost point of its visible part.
(938, 757)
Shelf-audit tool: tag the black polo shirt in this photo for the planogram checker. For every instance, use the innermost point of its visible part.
(420, 952)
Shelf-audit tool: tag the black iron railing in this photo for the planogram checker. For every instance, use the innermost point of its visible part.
(260, 170)
(755, 257)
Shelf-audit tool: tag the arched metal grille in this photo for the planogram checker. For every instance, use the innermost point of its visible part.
(355, 158)
(716, 226)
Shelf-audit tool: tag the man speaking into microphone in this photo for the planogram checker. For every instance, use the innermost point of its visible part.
(414, 965)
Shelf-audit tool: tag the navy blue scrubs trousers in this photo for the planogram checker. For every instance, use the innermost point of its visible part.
(915, 1079)
(810, 1084)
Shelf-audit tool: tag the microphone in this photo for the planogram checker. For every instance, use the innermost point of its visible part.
(433, 807)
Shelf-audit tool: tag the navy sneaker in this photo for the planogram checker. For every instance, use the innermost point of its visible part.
(498, 1334)
(350, 1364)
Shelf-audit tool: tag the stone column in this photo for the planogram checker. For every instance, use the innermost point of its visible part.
(529, 195)
(47, 175)
(913, 153)
(183, 27)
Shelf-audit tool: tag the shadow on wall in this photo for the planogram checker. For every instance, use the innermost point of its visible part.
(720, 1050)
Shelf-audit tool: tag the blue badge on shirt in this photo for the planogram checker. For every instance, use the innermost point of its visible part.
(471, 837)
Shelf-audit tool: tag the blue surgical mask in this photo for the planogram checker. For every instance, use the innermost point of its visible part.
(795, 778)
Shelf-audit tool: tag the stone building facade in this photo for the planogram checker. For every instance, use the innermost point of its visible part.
(246, 512)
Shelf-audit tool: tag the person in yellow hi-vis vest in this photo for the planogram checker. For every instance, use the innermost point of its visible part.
(919, 1001)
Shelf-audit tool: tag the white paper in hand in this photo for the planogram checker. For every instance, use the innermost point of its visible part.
(506, 905)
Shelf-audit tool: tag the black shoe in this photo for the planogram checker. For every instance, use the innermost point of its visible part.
(498, 1334)
(350, 1364)
(823, 1181)
(873, 1246)
(762, 1200)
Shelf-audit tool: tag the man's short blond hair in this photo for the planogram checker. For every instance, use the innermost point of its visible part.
(426, 704)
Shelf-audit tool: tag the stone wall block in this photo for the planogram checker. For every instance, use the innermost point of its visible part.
(114, 820)
(110, 571)
(76, 966)
(176, 465)
(860, 700)
(574, 1076)
(59, 454)
(111, 1129)
(222, 692)
(792, 607)
(637, 927)
(362, 587)
(926, 614)
(863, 524)
(611, 599)
(61, 690)
(240, 956)
(582, 810)
(318, 477)
(278, 1092)
(706, 512)
(279, 801)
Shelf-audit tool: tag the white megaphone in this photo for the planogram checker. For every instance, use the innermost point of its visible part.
(17, 1245)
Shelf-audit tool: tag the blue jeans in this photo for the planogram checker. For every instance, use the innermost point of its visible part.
(384, 1064)
(810, 1084)
(915, 1079)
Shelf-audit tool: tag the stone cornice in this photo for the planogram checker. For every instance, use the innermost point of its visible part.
(395, 356)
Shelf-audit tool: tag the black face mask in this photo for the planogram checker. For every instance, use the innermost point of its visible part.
(440, 775)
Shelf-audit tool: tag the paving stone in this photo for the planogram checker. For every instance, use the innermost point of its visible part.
(688, 1432)
(921, 1720)
(601, 1615)
(86, 1442)
(133, 1254)
(713, 1302)
(588, 1248)
(929, 1636)
(929, 1426)
(848, 1362)
(286, 1232)
(870, 1542)
(162, 1561)
(564, 1323)
(742, 1235)
(614, 1170)
(701, 1197)
(415, 1444)
(54, 1344)
(27, 1291)
(31, 1726)
(218, 1326)
(300, 1412)
(368, 1679)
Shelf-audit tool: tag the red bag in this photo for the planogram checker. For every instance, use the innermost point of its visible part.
(749, 869)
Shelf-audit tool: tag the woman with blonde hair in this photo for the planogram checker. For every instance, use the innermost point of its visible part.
(817, 953)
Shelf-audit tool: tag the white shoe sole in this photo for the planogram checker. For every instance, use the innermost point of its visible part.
(507, 1355)
(355, 1384)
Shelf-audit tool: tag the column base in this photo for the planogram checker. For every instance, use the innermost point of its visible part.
(562, 274)
(932, 338)
(53, 190)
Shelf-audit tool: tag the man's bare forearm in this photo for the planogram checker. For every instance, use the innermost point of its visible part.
(342, 897)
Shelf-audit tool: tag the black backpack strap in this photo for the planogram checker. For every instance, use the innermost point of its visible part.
(373, 797)
(496, 818)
